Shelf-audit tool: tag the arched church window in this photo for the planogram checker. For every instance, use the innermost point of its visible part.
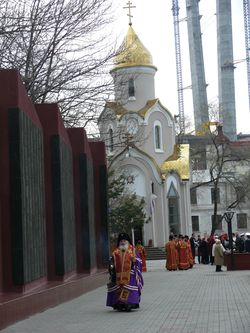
(131, 88)
(111, 140)
(152, 188)
(158, 136)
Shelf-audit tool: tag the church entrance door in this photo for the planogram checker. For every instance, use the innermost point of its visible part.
(173, 209)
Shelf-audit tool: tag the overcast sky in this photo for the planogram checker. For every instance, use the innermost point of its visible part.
(153, 22)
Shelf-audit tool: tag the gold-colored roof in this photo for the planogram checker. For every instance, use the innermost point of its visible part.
(149, 105)
(178, 161)
(132, 52)
(120, 111)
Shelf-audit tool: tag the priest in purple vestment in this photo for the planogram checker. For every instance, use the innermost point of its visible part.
(124, 288)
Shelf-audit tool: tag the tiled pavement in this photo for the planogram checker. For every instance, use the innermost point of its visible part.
(193, 301)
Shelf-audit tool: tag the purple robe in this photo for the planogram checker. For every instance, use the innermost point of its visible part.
(127, 293)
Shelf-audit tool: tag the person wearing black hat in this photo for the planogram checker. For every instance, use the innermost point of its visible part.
(123, 236)
(124, 289)
(247, 243)
(192, 241)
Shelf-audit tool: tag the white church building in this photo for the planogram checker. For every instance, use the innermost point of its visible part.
(139, 133)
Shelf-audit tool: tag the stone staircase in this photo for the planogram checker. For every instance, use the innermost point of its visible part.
(155, 253)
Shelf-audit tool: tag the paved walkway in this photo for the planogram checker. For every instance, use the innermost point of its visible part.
(193, 301)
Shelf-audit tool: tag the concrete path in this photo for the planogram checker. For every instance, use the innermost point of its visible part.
(194, 301)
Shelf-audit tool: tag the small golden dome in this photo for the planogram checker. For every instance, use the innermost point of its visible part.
(132, 52)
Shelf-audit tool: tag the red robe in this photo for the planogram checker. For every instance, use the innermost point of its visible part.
(170, 248)
(123, 261)
(189, 254)
(140, 249)
(183, 255)
(177, 245)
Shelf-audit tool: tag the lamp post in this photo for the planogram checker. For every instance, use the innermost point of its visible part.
(228, 216)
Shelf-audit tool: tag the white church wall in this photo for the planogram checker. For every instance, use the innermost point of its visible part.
(145, 174)
(136, 182)
(167, 138)
(153, 231)
(144, 86)
(160, 217)
(109, 122)
(185, 209)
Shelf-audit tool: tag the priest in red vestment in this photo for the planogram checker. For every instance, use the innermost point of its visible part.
(183, 254)
(171, 251)
(189, 252)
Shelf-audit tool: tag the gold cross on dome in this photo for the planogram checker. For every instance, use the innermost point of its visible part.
(129, 6)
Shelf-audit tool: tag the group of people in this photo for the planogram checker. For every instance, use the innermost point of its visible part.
(128, 262)
(242, 242)
(179, 253)
(205, 245)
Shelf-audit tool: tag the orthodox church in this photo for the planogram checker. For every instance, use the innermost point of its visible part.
(139, 133)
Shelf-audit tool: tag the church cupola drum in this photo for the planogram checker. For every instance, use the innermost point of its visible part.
(133, 73)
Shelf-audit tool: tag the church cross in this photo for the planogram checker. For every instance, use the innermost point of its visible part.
(129, 11)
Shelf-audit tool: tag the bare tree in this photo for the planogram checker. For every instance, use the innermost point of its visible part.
(62, 50)
(227, 163)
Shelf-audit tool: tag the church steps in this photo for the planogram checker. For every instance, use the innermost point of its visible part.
(155, 253)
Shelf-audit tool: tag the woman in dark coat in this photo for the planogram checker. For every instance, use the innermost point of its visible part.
(210, 243)
(204, 251)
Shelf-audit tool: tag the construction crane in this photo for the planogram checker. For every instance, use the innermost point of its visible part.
(247, 41)
(175, 9)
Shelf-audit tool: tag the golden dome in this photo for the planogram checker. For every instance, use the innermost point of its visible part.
(132, 52)
(178, 161)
